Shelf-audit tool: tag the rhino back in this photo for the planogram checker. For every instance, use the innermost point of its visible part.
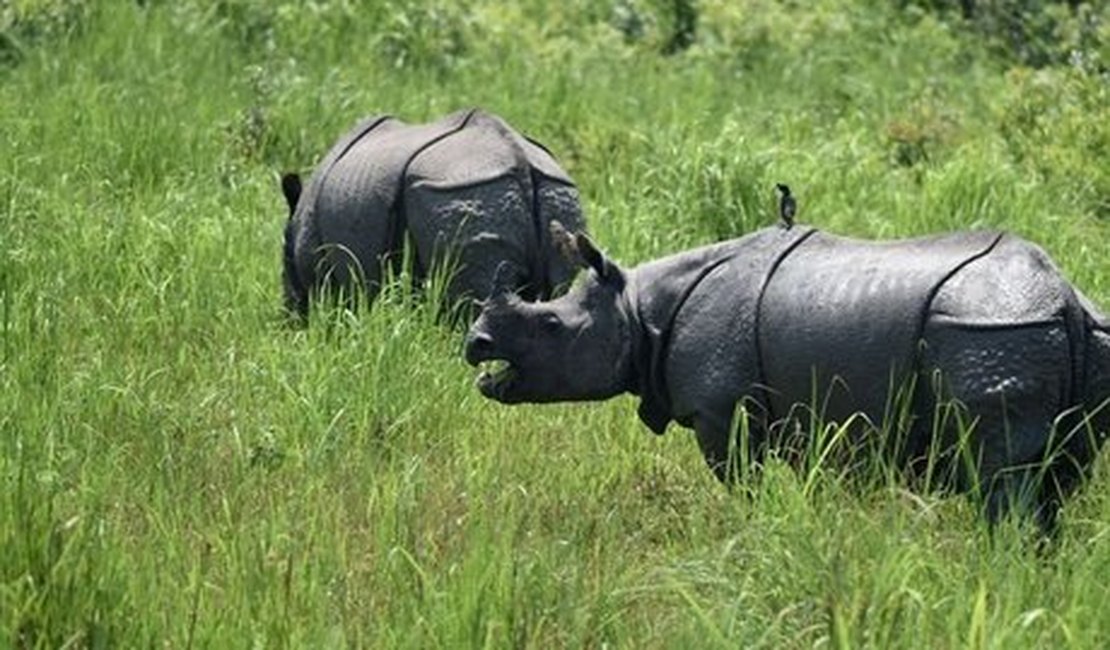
(840, 320)
(1008, 323)
(485, 149)
(1017, 284)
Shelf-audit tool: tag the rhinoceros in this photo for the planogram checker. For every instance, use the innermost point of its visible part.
(980, 321)
(467, 191)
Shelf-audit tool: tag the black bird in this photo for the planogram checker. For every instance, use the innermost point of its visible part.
(787, 206)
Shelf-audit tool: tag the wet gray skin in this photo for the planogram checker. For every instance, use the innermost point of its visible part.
(979, 319)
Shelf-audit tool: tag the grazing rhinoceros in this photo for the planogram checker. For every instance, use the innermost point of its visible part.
(780, 317)
(467, 189)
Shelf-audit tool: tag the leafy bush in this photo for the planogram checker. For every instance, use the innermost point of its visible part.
(1056, 123)
(1035, 33)
(27, 23)
(425, 35)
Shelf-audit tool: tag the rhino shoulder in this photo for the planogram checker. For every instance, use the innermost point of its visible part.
(698, 310)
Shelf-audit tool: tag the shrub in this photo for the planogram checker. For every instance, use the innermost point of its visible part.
(1056, 123)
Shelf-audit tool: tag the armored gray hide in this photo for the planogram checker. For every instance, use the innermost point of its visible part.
(790, 324)
(467, 191)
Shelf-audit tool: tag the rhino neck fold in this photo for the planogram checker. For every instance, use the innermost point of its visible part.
(644, 356)
(654, 296)
(658, 290)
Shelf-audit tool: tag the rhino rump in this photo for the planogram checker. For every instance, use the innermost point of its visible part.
(466, 190)
(489, 218)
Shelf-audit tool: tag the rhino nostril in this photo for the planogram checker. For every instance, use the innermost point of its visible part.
(478, 347)
(478, 343)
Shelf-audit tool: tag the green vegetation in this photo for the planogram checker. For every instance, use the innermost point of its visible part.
(177, 469)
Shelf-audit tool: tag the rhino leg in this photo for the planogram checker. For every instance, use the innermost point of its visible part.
(719, 431)
(345, 277)
(1081, 432)
(1014, 381)
(1025, 492)
(713, 440)
(487, 264)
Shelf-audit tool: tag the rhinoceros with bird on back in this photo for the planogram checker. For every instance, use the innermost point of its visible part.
(468, 192)
(980, 320)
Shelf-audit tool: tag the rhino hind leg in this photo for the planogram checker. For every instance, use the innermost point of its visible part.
(1038, 488)
(343, 280)
(1018, 444)
(1025, 493)
(1081, 432)
(1074, 438)
(475, 238)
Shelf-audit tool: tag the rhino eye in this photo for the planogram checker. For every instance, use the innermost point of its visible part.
(551, 323)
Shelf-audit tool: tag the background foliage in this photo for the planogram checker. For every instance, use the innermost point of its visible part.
(179, 469)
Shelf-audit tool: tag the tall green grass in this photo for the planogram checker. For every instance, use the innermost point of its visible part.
(181, 469)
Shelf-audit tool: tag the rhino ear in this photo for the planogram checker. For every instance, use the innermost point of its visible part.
(291, 188)
(565, 243)
(606, 269)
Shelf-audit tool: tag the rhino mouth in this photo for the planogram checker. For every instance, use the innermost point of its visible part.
(495, 378)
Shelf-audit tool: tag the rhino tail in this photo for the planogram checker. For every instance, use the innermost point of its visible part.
(296, 291)
(291, 188)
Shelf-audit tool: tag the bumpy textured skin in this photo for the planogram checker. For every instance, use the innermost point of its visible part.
(466, 189)
(780, 317)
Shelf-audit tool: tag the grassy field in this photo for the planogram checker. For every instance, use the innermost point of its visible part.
(178, 469)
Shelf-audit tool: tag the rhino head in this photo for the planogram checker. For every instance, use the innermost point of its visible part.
(576, 347)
